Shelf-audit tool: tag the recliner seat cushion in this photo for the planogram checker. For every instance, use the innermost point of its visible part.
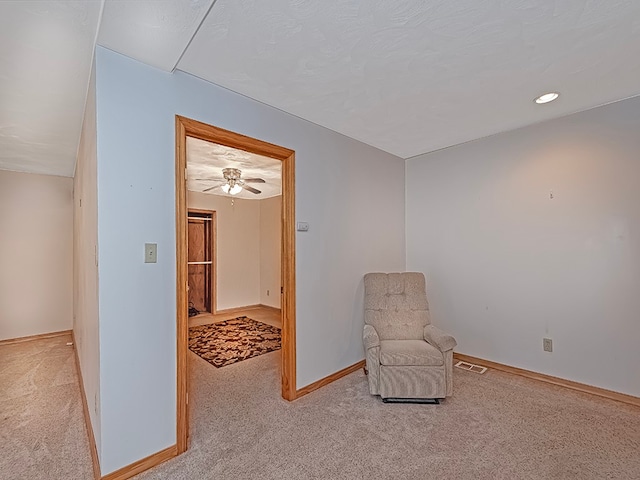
(409, 352)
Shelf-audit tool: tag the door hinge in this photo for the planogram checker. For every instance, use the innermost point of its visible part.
(185, 174)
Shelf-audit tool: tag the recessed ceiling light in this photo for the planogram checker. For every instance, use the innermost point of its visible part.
(547, 97)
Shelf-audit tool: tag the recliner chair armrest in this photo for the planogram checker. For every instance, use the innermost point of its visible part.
(439, 339)
(370, 337)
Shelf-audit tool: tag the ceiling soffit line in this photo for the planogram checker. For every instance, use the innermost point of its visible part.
(195, 32)
(86, 93)
(154, 33)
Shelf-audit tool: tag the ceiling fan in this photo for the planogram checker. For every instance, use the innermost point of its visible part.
(232, 183)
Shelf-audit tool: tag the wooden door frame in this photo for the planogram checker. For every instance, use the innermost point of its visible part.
(213, 254)
(186, 127)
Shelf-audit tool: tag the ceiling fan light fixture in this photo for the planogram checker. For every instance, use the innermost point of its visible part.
(546, 98)
(226, 188)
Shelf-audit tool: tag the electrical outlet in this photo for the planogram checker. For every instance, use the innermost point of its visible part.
(547, 345)
(267, 293)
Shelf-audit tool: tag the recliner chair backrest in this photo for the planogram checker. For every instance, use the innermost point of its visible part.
(395, 304)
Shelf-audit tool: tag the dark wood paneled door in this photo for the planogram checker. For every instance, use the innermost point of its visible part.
(201, 228)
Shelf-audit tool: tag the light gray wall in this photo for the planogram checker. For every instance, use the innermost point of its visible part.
(86, 327)
(351, 194)
(507, 264)
(36, 243)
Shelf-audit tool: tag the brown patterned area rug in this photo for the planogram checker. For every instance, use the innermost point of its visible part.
(231, 341)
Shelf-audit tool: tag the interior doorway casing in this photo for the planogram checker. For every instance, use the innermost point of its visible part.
(191, 128)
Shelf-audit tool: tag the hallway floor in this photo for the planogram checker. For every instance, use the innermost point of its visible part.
(42, 430)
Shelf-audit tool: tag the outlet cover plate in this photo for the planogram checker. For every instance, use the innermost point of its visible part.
(150, 252)
(547, 345)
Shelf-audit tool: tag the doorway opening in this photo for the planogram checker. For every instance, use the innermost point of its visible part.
(187, 128)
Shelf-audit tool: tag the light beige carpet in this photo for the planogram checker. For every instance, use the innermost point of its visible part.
(497, 426)
(42, 431)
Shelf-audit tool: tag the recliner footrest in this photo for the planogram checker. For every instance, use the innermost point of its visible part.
(428, 401)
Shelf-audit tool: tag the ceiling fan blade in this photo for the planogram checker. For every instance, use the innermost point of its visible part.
(251, 189)
(253, 180)
(210, 188)
(209, 179)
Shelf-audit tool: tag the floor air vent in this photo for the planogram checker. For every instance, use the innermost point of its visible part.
(470, 367)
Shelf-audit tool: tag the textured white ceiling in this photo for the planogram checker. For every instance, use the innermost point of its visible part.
(414, 76)
(45, 63)
(407, 76)
(205, 160)
(155, 32)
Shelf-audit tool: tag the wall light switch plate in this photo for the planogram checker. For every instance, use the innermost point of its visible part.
(150, 253)
(303, 227)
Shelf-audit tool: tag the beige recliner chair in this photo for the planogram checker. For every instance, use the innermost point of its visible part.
(408, 359)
